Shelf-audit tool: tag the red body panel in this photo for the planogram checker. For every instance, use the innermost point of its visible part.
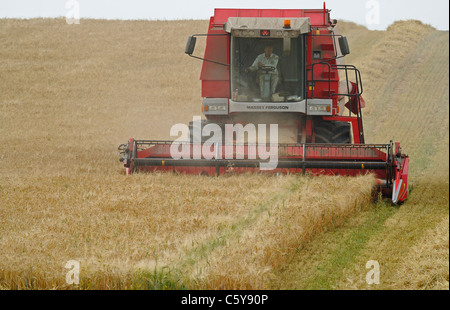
(295, 152)
(216, 78)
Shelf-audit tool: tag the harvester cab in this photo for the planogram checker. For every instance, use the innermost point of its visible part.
(267, 59)
(283, 70)
(277, 69)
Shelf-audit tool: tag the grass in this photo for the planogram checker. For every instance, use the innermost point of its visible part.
(157, 280)
(426, 264)
(409, 242)
(330, 271)
(406, 230)
(320, 264)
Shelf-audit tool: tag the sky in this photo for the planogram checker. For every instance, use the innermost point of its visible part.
(374, 14)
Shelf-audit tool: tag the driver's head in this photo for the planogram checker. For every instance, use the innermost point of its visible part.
(268, 50)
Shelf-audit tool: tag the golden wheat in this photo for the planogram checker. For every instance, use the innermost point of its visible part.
(69, 95)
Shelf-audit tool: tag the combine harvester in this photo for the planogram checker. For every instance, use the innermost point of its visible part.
(275, 67)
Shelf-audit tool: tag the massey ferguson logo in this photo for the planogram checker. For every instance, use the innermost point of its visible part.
(267, 107)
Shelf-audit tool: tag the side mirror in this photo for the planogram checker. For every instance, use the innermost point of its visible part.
(343, 44)
(190, 45)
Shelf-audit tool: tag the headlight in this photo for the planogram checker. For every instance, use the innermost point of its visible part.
(217, 108)
(318, 108)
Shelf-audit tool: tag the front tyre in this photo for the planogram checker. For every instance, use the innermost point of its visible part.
(332, 132)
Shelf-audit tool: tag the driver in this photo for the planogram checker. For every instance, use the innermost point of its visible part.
(266, 59)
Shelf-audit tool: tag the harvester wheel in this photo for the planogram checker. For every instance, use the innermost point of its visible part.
(332, 132)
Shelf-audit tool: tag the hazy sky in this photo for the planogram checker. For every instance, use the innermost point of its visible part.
(375, 14)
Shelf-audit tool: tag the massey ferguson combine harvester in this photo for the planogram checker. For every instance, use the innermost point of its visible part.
(283, 67)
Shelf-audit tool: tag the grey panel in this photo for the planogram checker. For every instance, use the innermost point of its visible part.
(298, 24)
(314, 104)
(298, 106)
(216, 106)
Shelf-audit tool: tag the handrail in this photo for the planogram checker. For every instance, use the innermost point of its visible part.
(357, 94)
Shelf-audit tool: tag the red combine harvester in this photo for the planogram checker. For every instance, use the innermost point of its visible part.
(275, 67)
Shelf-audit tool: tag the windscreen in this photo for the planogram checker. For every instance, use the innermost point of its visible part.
(261, 72)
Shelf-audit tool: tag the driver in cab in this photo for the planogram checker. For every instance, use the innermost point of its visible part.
(267, 62)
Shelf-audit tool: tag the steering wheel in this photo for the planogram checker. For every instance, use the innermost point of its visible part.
(267, 69)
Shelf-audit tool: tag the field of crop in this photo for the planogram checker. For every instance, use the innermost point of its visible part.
(70, 94)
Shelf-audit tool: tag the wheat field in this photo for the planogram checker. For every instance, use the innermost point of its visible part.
(70, 94)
